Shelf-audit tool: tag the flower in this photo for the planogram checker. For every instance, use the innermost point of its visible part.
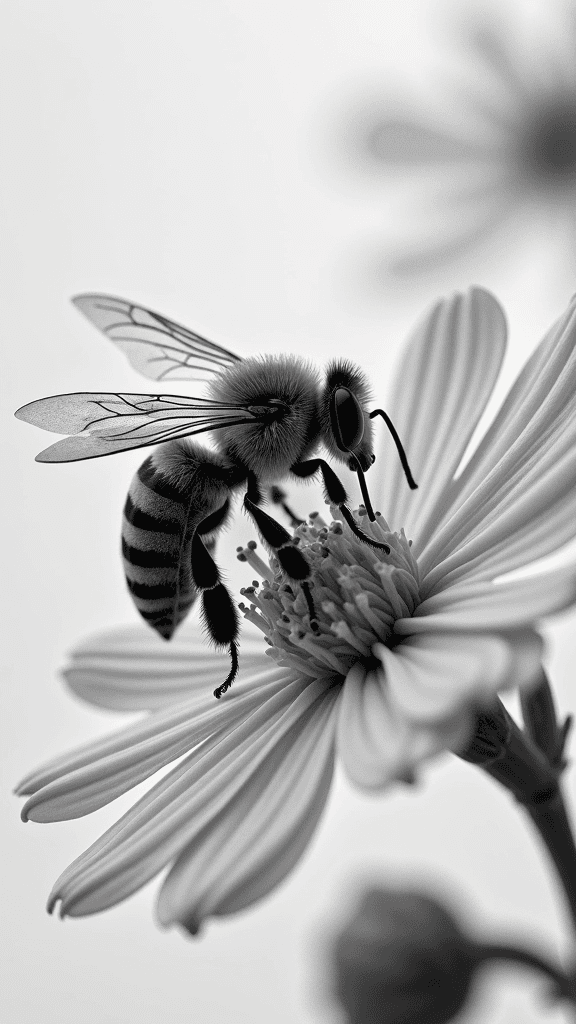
(402, 958)
(502, 149)
(409, 645)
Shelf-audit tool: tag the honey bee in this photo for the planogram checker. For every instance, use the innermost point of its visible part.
(268, 415)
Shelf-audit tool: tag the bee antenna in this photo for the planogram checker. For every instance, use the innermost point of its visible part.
(232, 673)
(407, 472)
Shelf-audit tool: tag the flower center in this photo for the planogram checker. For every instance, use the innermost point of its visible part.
(358, 593)
(550, 140)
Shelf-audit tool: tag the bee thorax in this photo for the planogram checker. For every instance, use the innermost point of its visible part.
(282, 394)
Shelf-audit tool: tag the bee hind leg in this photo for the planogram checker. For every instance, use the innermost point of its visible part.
(218, 609)
(291, 559)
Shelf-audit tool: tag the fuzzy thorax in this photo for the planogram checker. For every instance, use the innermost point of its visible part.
(358, 594)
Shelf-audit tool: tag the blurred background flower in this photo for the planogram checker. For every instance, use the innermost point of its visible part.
(489, 157)
(402, 957)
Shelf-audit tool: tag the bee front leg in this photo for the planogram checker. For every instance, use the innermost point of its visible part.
(219, 613)
(291, 559)
(336, 494)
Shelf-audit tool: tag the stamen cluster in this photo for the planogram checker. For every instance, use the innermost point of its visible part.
(358, 593)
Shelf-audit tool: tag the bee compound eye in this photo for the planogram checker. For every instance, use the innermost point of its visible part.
(346, 419)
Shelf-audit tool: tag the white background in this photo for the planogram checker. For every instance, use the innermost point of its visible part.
(186, 155)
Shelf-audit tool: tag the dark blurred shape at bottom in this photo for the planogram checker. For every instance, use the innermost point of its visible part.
(402, 959)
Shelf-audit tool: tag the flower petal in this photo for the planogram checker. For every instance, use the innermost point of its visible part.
(461, 229)
(441, 389)
(431, 678)
(261, 835)
(532, 432)
(376, 742)
(189, 802)
(425, 700)
(536, 518)
(87, 778)
(490, 46)
(489, 606)
(132, 669)
(404, 142)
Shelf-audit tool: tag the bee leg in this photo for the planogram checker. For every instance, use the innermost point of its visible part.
(278, 497)
(212, 523)
(291, 559)
(336, 494)
(399, 446)
(220, 615)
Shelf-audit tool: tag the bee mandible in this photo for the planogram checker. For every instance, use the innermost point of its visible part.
(268, 416)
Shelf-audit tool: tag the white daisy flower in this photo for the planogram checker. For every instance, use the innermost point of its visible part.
(497, 152)
(410, 644)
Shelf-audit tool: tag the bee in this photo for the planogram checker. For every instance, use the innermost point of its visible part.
(268, 417)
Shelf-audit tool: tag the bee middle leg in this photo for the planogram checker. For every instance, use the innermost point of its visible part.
(218, 608)
(278, 497)
(290, 557)
(336, 494)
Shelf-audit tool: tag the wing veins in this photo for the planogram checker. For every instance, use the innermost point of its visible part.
(156, 344)
(171, 433)
(176, 331)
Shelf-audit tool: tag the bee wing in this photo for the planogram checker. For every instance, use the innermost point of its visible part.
(108, 423)
(158, 347)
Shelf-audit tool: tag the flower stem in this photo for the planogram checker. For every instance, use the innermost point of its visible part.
(551, 821)
(511, 757)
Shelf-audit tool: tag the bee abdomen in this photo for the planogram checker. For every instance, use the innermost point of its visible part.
(156, 551)
(160, 515)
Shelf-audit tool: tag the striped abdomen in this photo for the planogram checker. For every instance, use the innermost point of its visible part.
(168, 498)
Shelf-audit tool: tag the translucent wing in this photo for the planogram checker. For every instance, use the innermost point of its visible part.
(109, 423)
(156, 346)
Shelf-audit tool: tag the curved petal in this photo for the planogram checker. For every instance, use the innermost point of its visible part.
(441, 389)
(490, 606)
(532, 431)
(87, 778)
(433, 677)
(376, 742)
(259, 837)
(188, 803)
(132, 669)
(526, 668)
(425, 700)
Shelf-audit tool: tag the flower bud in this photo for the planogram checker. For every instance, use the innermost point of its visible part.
(402, 959)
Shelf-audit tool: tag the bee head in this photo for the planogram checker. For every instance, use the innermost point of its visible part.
(347, 428)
